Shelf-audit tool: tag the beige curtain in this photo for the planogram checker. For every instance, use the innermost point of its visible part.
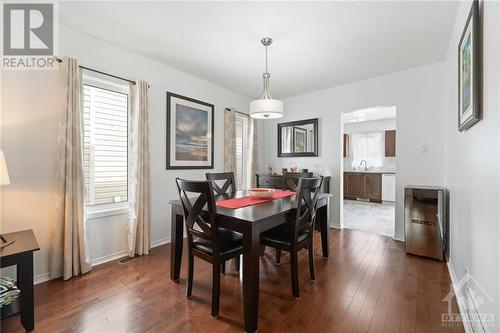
(230, 140)
(138, 221)
(252, 151)
(69, 254)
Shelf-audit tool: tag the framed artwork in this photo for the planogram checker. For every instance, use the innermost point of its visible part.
(190, 125)
(469, 71)
(300, 139)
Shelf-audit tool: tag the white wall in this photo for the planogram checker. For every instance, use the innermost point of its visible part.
(31, 102)
(419, 97)
(473, 167)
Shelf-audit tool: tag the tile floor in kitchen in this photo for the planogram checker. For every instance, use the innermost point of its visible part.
(371, 217)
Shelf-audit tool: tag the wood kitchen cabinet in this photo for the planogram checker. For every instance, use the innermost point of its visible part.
(346, 145)
(390, 143)
(359, 185)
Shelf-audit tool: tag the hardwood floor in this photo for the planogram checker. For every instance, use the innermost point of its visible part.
(367, 285)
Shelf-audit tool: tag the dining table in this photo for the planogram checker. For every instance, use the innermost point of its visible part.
(250, 221)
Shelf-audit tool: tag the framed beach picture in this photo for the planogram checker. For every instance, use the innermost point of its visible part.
(190, 125)
(469, 71)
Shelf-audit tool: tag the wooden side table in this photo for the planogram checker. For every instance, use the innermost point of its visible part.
(20, 253)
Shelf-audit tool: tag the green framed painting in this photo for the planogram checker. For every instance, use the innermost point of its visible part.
(469, 71)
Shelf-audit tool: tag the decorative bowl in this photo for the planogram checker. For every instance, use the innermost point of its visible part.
(261, 193)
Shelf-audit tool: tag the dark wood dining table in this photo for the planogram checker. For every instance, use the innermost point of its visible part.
(250, 221)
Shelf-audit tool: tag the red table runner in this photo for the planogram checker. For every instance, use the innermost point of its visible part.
(249, 201)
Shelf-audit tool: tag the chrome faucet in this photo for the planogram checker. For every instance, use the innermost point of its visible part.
(366, 165)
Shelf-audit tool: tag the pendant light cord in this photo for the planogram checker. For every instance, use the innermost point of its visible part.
(266, 59)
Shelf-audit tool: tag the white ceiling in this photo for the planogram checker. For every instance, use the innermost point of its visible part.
(370, 114)
(317, 44)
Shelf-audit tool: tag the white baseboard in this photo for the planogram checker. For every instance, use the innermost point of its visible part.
(41, 278)
(399, 238)
(160, 242)
(108, 257)
(459, 297)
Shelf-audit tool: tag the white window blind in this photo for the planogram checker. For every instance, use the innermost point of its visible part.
(105, 144)
(241, 151)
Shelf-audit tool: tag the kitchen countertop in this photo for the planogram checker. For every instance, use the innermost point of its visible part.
(372, 171)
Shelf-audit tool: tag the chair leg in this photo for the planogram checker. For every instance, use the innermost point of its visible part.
(262, 249)
(223, 268)
(278, 256)
(215, 289)
(189, 288)
(237, 263)
(311, 260)
(295, 273)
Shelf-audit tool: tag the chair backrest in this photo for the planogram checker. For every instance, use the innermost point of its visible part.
(308, 191)
(199, 223)
(229, 181)
(291, 179)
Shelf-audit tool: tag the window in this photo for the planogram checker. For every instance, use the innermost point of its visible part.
(368, 146)
(105, 143)
(241, 151)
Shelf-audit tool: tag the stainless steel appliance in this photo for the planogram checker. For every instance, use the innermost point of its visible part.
(426, 225)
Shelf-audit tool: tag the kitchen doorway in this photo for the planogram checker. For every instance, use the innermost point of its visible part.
(369, 169)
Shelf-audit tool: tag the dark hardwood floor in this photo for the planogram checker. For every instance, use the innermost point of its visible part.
(367, 285)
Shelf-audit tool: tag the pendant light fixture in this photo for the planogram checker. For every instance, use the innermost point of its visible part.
(266, 107)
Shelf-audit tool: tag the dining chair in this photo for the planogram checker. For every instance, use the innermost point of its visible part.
(298, 234)
(291, 179)
(229, 184)
(206, 240)
(290, 182)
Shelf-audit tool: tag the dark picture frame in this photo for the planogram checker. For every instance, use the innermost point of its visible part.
(295, 125)
(190, 133)
(470, 71)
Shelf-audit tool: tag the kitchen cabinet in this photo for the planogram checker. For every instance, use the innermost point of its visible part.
(346, 145)
(360, 185)
(353, 185)
(390, 143)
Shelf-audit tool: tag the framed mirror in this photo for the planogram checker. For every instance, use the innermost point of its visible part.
(298, 138)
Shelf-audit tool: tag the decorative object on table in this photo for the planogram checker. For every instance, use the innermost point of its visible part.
(266, 107)
(262, 193)
(284, 170)
(305, 170)
(190, 133)
(8, 291)
(469, 71)
(298, 138)
(270, 169)
(4, 180)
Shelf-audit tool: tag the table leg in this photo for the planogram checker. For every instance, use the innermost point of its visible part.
(25, 283)
(323, 225)
(251, 262)
(176, 242)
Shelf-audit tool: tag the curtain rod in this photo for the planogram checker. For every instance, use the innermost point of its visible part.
(242, 113)
(104, 73)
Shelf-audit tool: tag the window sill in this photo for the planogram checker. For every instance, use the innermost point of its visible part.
(95, 212)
